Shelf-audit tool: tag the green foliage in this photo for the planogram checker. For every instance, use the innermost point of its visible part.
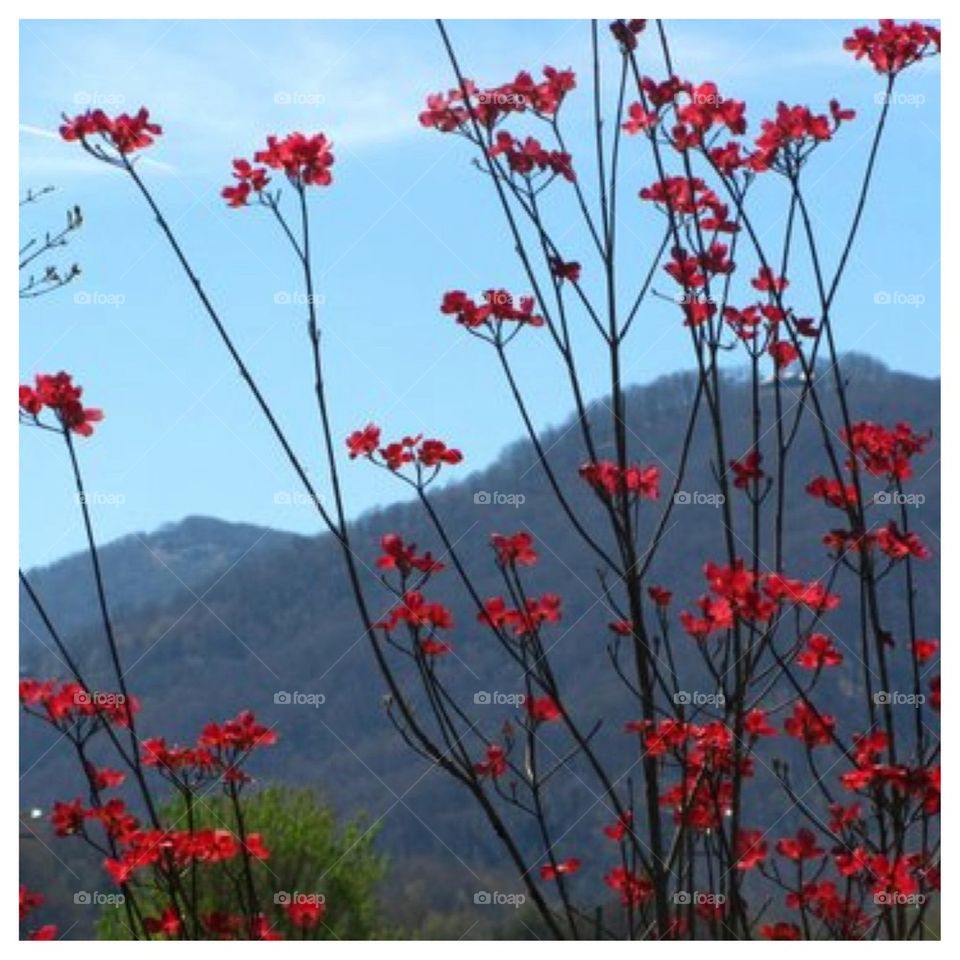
(310, 855)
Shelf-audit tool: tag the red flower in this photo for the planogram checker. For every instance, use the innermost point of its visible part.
(814, 729)
(47, 932)
(305, 912)
(617, 831)
(640, 119)
(780, 931)
(633, 889)
(626, 32)
(898, 545)
(883, 451)
(529, 158)
(608, 479)
(123, 132)
(894, 46)
(104, 778)
(820, 652)
(542, 709)
(434, 452)
(755, 724)
(660, 595)
(495, 764)
(497, 308)
(801, 847)
(410, 449)
(925, 650)
(241, 734)
(832, 493)
(168, 923)
(28, 901)
(262, 929)
(565, 270)
(305, 160)
(685, 269)
(250, 179)
(534, 613)
(514, 550)
(418, 613)
(747, 470)
(58, 392)
(751, 849)
(563, 868)
(767, 280)
(449, 112)
(363, 443)
(403, 557)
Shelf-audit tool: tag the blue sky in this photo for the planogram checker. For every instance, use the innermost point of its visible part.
(407, 219)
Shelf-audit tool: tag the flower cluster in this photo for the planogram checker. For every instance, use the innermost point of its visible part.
(528, 156)
(787, 140)
(690, 196)
(524, 620)
(708, 764)
(747, 470)
(123, 132)
(882, 452)
(403, 557)
(30, 901)
(217, 754)
(57, 392)
(137, 855)
(452, 111)
(738, 593)
(608, 480)
(894, 46)
(431, 454)
(306, 160)
(697, 110)
(627, 32)
(515, 550)
(73, 709)
(250, 180)
(885, 452)
(496, 308)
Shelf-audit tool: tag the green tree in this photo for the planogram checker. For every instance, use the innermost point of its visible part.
(311, 857)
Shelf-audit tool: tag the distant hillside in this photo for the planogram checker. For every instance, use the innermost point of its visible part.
(142, 570)
(277, 616)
